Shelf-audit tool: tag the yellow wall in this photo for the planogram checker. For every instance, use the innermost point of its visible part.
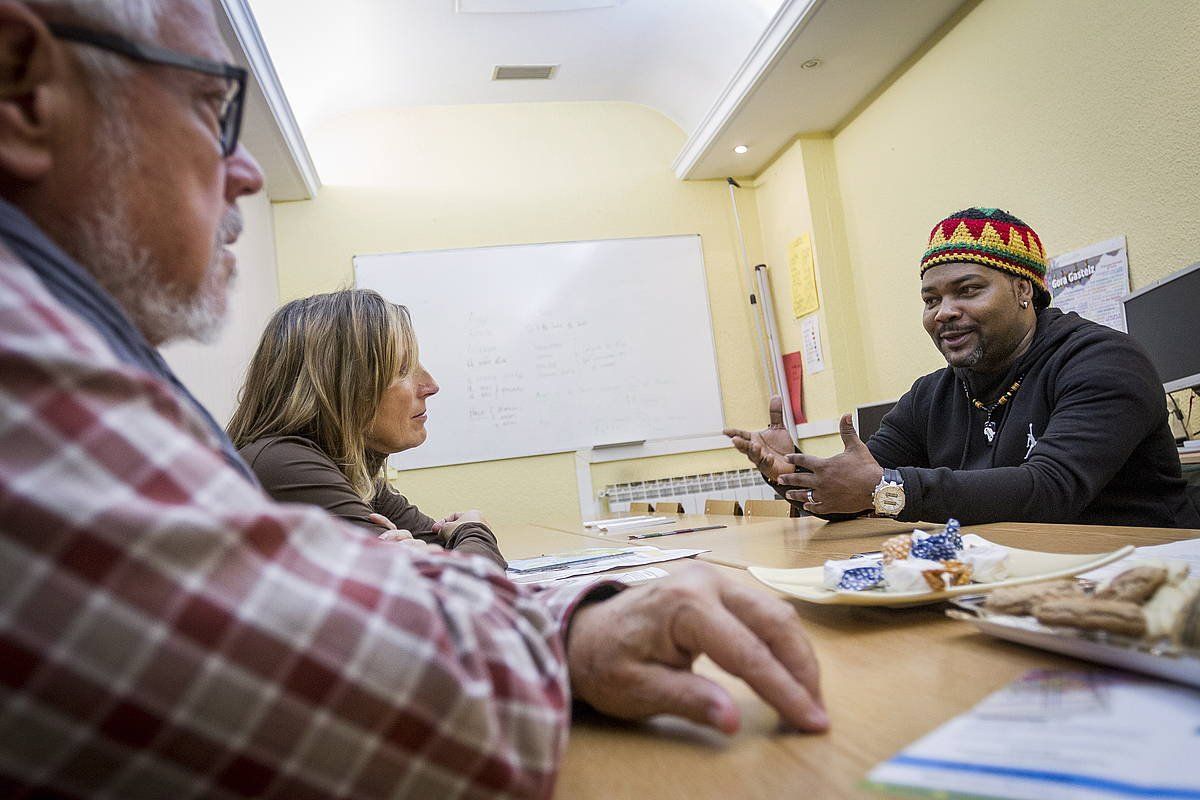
(467, 176)
(1082, 117)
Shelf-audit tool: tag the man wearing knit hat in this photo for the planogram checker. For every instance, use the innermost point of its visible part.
(1039, 415)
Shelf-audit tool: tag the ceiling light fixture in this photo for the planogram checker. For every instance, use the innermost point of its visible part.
(741, 148)
(812, 63)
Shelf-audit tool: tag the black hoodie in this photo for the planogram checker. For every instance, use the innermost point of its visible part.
(1083, 440)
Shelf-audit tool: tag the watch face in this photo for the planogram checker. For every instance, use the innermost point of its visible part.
(889, 500)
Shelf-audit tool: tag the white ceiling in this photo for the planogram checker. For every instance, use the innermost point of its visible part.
(778, 94)
(672, 55)
(728, 72)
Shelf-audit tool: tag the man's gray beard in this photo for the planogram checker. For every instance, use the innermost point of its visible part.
(162, 310)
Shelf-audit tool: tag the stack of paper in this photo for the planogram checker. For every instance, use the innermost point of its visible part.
(1057, 734)
(544, 569)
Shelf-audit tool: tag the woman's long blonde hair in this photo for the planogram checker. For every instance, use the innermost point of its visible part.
(320, 372)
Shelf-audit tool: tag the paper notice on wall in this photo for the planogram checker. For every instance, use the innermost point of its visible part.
(1091, 282)
(804, 277)
(810, 333)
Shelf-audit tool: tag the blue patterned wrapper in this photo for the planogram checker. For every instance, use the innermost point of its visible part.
(938, 547)
(859, 578)
(952, 527)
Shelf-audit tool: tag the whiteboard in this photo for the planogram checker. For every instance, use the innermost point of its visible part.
(547, 348)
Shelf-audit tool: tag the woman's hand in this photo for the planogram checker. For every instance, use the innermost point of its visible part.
(394, 534)
(444, 528)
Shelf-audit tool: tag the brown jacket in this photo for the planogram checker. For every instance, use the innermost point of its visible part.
(293, 469)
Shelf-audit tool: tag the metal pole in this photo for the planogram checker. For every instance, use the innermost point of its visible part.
(768, 310)
(756, 306)
(764, 321)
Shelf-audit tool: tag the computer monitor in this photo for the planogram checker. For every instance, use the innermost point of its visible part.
(1164, 317)
(867, 418)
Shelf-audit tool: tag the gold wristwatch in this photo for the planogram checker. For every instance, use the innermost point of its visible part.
(888, 497)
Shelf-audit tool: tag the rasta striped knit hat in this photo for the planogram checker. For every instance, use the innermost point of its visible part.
(995, 239)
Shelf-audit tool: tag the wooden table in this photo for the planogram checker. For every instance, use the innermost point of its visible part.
(809, 541)
(889, 676)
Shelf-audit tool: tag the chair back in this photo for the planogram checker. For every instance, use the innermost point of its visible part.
(768, 508)
(729, 508)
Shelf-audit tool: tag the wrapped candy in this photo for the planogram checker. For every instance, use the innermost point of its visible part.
(951, 573)
(856, 579)
(936, 547)
(831, 577)
(989, 562)
(908, 575)
(896, 548)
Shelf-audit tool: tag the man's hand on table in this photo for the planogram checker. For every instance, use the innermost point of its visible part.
(631, 655)
(841, 484)
(769, 448)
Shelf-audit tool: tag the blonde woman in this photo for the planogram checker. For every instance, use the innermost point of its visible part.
(334, 388)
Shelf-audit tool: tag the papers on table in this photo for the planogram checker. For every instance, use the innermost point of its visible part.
(1187, 550)
(629, 523)
(544, 569)
(636, 576)
(1082, 736)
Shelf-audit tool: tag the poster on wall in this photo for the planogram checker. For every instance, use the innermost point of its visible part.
(1091, 282)
(810, 334)
(804, 277)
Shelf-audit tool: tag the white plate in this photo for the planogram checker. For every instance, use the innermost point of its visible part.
(1162, 660)
(1024, 566)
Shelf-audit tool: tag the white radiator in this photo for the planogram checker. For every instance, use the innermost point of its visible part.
(690, 490)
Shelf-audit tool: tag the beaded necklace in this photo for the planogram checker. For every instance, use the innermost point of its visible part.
(989, 427)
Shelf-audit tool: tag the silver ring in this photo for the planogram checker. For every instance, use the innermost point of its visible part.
(810, 499)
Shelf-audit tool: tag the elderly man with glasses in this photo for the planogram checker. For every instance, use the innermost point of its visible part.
(165, 628)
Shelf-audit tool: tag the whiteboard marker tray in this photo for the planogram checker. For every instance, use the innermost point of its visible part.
(1161, 659)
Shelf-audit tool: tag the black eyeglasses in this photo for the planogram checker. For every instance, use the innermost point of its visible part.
(230, 113)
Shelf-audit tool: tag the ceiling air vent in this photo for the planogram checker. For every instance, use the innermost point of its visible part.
(524, 72)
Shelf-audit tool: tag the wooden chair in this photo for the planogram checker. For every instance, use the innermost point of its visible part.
(729, 508)
(668, 508)
(768, 508)
(640, 508)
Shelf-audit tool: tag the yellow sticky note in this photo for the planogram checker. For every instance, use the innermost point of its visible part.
(804, 278)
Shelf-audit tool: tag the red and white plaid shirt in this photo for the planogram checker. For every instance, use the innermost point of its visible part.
(168, 631)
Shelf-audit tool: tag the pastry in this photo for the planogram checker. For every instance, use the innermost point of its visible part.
(1136, 585)
(1189, 623)
(1164, 611)
(1019, 600)
(1089, 613)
